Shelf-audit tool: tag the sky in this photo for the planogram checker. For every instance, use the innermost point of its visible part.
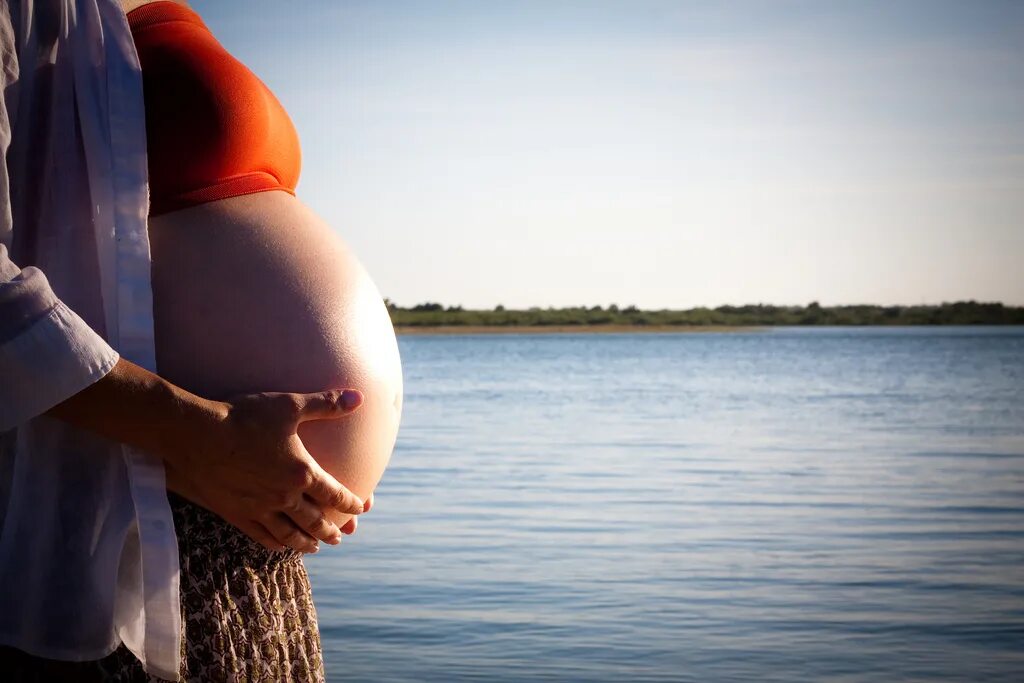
(663, 154)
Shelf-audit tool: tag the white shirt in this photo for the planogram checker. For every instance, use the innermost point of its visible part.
(88, 556)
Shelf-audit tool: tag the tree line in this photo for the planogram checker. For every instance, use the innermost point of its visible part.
(431, 314)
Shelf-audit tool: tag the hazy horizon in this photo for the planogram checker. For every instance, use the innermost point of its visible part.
(655, 153)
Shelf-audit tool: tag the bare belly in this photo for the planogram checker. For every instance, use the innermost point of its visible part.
(255, 293)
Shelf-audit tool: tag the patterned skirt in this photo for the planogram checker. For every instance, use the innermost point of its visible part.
(247, 615)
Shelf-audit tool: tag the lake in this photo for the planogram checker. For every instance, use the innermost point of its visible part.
(841, 504)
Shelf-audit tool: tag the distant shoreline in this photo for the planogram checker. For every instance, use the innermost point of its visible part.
(721, 319)
(437, 330)
(565, 329)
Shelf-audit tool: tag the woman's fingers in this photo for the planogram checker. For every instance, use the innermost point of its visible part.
(310, 519)
(352, 524)
(326, 405)
(321, 490)
(325, 490)
(284, 531)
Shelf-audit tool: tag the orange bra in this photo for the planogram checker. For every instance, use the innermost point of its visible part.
(214, 130)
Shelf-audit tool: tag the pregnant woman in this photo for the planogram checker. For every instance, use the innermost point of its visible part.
(252, 292)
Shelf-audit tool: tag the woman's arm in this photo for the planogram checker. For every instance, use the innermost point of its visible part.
(241, 459)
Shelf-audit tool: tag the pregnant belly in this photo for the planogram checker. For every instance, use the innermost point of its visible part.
(255, 293)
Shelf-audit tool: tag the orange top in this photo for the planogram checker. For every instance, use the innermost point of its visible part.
(214, 129)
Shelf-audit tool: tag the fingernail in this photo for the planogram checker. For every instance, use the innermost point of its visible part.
(350, 398)
(314, 548)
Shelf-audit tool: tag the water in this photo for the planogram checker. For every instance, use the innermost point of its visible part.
(800, 504)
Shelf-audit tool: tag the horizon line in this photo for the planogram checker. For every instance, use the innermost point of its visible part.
(973, 302)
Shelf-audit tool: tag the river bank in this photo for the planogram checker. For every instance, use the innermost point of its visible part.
(563, 329)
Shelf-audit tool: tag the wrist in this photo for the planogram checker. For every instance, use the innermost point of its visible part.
(193, 424)
(136, 407)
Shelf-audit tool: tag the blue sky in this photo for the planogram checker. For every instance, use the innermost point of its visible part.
(662, 154)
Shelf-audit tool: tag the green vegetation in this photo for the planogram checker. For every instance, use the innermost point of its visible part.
(959, 313)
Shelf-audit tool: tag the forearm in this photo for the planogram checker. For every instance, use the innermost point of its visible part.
(134, 406)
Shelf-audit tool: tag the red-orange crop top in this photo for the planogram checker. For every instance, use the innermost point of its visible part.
(214, 130)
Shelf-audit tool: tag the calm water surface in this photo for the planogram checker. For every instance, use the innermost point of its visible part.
(814, 504)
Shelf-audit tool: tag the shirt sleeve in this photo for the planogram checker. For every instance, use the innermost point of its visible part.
(47, 352)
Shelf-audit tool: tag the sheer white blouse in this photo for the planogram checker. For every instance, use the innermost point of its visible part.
(88, 556)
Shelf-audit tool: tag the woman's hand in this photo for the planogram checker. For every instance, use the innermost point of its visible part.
(350, 526)
(242, 458)
(252, 469)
